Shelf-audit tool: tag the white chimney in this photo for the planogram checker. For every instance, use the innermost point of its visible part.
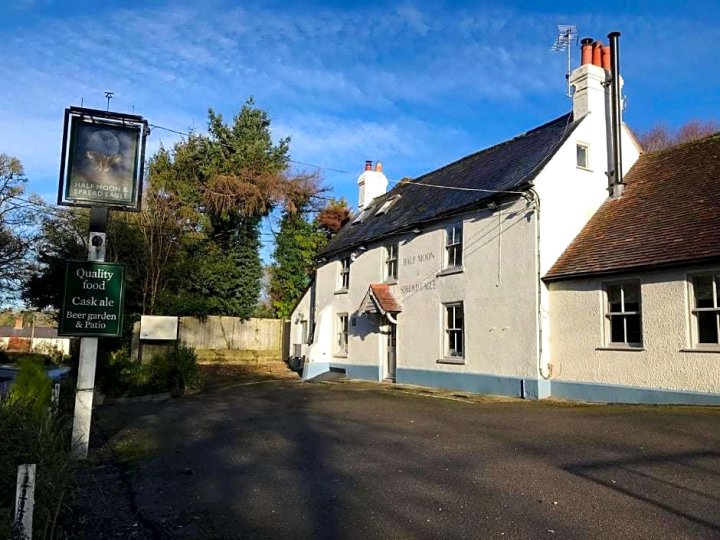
(371, 184)
(591, 80)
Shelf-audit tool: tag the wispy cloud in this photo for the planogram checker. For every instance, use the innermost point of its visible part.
(411, 85)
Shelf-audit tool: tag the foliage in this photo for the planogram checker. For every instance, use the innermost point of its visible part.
(18, 217)
(296, 247)
(661, 137)
(332, 218)
(31, 435)
(62, 237)
(32, 386)
(175, 370)
(228, 181)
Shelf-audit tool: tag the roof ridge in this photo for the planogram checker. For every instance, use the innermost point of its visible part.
(566, 116)
(678, 146)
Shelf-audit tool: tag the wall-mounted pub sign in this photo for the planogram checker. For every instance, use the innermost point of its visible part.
(102, 161)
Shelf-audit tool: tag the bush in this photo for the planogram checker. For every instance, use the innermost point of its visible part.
(32, 435)
(32, 386)
(185, 373)
(174, 371)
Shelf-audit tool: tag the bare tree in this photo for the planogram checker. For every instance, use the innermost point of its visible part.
(660, 136)
(18, 216)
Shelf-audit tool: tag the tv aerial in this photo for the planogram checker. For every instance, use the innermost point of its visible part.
(567, 36)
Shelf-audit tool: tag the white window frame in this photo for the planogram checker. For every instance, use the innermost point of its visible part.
(392, 261)
(344, 275)
(304, 327)
(341, 334)
(454, 245)
(623, 313)
(586, 146)
(695, 311)
(450, 329)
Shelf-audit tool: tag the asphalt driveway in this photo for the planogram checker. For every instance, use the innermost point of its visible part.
(290, 459)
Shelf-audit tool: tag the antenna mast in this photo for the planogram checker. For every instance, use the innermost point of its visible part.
(567, 36)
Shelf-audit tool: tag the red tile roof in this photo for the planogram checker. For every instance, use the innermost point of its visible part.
(669, 215)
(385, 298)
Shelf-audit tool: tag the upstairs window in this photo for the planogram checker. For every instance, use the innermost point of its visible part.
(344, 279)
(706, 309)
(453, 246)
(391, 261)
(583, 156)
(623, 315)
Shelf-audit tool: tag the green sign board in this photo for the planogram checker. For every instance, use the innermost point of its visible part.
(92, 303)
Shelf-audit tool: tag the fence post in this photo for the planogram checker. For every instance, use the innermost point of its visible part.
(25, 501)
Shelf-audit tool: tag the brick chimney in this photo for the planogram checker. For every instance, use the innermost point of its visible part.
(371, 184)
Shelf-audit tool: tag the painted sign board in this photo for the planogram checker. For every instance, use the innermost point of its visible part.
(102, 159)
(92, 301)
(158, 327)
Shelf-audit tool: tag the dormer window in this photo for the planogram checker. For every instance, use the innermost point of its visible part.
(387, 205)
(362, 215)
(583, 156)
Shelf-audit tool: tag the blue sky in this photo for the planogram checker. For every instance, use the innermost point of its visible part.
(413, 84)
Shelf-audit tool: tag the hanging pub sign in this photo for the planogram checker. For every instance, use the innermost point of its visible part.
(102, 160)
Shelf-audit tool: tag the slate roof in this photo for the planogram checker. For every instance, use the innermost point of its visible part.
(669, 215)
(508, 166)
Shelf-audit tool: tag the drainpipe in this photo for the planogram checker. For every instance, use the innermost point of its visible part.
(543, 364)
(390, 318)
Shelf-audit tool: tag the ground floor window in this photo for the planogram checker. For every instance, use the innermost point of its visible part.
(341, 345)
(706, 309)
(454, 330)
(623, 315)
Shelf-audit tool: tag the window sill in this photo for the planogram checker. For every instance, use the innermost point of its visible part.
(391, 281)
(588, 169)
(621, 348)
(340, 355)
(710, 350)
(451, 270)
(341, 291)
(457, 360)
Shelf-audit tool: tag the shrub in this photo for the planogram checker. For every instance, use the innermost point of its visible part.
(30, 435)
(32, 386)
(185, 373)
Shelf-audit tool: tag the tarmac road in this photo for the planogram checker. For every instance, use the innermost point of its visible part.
(289, 459)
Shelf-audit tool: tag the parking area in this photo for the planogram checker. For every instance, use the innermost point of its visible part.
(292, 459)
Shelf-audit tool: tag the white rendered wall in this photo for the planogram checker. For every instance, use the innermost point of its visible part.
(577, 337)
(300, 313)
(569, 196)
(498, 286)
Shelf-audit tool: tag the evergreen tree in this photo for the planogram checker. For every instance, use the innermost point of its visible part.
(296, 246)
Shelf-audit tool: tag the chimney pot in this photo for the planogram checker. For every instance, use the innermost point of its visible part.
(378, 167)
(368, 165)
(586, 51)
(606, 58)
(597, 54)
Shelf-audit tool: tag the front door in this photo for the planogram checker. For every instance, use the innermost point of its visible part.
(391, 351)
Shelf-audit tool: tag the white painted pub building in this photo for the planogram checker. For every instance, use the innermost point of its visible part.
(487, 275)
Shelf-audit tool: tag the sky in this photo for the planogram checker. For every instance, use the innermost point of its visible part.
(415, 85)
